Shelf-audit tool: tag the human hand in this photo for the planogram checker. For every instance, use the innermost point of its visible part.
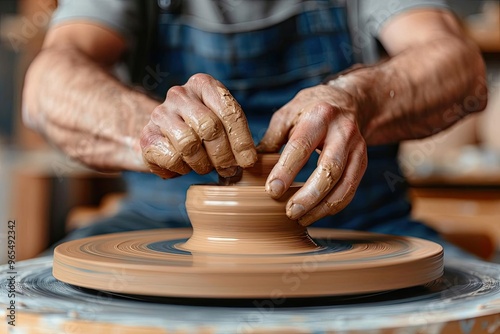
(199, 127)
(323, 118)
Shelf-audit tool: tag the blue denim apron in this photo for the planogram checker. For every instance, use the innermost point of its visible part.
(264, 69)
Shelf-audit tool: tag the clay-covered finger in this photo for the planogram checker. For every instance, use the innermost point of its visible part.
(318, 185)
(210, 130)
(183, 138)
(161, 172)
(343, 192)
(158, 152)
(343, 135)
(309, 131)
(218, 99)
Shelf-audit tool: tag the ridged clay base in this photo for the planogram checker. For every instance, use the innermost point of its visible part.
(154, 263)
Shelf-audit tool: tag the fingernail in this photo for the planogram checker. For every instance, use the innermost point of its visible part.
(275, 188)
(295, 211)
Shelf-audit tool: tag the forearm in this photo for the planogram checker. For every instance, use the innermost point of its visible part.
(418, 92)
(78, 106)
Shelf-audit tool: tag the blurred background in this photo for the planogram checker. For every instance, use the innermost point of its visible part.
(455, 176)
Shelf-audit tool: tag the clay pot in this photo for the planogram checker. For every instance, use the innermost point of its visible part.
(243, 219)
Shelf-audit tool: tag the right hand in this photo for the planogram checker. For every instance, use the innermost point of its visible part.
(199, 127)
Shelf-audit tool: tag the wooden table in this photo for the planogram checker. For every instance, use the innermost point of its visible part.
(465, 209)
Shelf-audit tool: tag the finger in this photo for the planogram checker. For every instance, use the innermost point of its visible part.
(181, 135)
(318, 185)
(218, 98)
(308, 133)
(342, 134)
(158, 152)
(343, 192)
(277, 132)
(330, 167)
(210, 130)
(163, 173)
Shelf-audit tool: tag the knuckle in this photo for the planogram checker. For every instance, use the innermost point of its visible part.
(303, 144)
(242, 145)
(175, 91)
(298, 149)
(232, 113)
(162, 156)
(351, 129)
(159, 152)
(172, 162)
(324, 110)
(200, 79)
(332, 168)
(329, 173)
(146, 141)
(332, 207)
(187, 143)
(158, 113)
(147, 137)
(208, 128)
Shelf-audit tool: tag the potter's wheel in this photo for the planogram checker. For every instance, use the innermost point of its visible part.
(244, 246)
(155, 263)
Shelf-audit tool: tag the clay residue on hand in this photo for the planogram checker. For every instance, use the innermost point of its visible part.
(164, 156)
(237, 130)
(292, 157)
(325, 177)
(269, 146)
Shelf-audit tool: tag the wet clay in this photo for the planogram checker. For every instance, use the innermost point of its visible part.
(244, 246)
(237, 129)
(226, 221)
(241, 218)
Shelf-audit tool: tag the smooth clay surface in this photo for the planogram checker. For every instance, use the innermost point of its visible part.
(155, 263)
(243, 220)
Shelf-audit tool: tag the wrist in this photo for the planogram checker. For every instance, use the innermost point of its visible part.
(135, 109)
(358, 82)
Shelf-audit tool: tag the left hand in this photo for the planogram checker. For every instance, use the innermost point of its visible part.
(324, 118)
